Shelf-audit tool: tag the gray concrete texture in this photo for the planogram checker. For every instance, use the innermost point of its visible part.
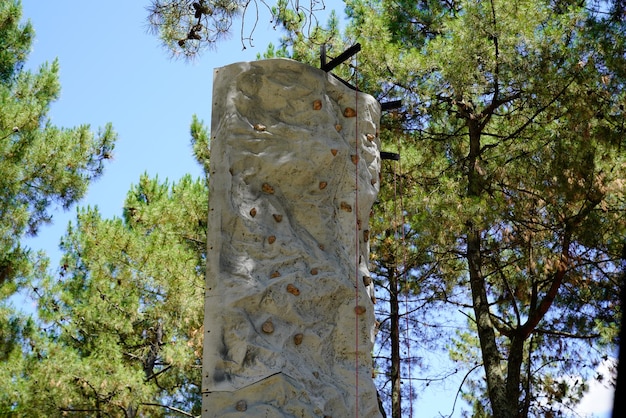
(289, 318)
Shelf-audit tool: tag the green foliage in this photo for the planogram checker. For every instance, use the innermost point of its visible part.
(15, 40)
(509, 199)
(511, 135)
(188, 27)
(185, 27)
(41, 166)
(200, 142)
(123, 315)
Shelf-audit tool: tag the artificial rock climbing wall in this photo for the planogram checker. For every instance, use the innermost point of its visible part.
(289, 318)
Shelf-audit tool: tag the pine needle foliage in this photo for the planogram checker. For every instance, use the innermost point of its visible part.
(187, 28)
(512, 140)
(122, 317)
(42, 167)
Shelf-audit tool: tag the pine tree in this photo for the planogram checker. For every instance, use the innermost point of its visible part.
(120, 321)
(513, 117)
(523, 103)
(41, 165)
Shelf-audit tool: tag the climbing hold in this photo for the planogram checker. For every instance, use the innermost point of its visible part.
(345, 207)
(275, 275)
(277, 217)
(293, 290)
(317, 104)
(241, 406)
(367, 280)
(271, 239)
(253, 212)
(314, 271)
(333, 151)
(338, 128)
(349, 112)
(354, 158)
(268, 327)
(359, 310)
(259, 127)
(366, 235)
(323, 185)
(297, 339)
(267, 188)
(370, 137)
(373, 181)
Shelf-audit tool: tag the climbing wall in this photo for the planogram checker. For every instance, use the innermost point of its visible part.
(289, 318)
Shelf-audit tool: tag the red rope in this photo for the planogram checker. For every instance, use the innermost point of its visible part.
(356, 235)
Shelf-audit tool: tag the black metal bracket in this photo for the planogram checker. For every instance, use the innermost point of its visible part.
(328, 66)
(395, 104)
(384, 155)
(385, 107)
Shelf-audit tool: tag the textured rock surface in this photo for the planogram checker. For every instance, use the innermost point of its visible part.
(285, 326)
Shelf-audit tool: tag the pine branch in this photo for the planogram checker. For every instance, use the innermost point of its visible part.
(566, 334)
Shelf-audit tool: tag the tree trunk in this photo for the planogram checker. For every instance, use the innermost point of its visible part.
(514, 371)
(394, 314)
(494, 371)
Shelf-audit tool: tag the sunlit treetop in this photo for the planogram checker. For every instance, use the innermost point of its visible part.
(187, 27)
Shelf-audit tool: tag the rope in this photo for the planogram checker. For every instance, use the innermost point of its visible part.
(404, 274)
(406, 293)
(356, 235)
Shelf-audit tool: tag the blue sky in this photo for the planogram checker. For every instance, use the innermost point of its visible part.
(113, 70)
